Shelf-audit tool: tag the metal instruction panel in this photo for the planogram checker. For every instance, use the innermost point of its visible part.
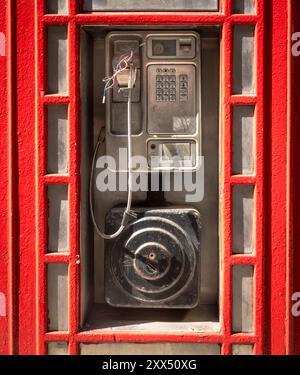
(172, 99)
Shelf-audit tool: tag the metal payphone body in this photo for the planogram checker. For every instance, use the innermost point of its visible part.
(154, 260)
(166, 109)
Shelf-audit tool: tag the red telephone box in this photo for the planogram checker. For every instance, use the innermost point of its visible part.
(31, 90)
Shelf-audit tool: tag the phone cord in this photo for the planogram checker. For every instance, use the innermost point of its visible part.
(128, 214)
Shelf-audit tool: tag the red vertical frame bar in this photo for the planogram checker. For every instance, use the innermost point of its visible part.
(295, 176)
(24, 72)
(259, 303)
(74, 186)
(41, 197)
(276, 154)
(13, 242)
(6, 329)
(225, 188)
(289, 223)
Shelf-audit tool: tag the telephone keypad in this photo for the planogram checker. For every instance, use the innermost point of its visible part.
(166, 88)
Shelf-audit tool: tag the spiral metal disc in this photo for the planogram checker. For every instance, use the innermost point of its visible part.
(153, 260)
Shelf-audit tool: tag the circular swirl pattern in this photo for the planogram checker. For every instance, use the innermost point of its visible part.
(153, 260)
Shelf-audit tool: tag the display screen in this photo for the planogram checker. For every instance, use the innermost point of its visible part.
(148, 5)
(164, 47)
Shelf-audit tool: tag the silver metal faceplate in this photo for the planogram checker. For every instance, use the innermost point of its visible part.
(166, 97)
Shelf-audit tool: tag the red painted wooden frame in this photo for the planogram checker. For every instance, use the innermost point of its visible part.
(294, 175)
(25, 215)
(6, 324)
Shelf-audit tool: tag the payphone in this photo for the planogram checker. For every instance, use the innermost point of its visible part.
(152, 97)
(165, 97)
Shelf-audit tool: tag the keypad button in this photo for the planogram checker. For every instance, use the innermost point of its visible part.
(183, 78)
(183, 85)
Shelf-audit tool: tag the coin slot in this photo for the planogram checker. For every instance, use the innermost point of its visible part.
(186, 45)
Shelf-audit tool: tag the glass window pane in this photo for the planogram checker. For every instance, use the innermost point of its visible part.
(57, 60)
(244, 6)
(94, 5)
(57, 160)
(149, 349)
(57, 7)
(57, 348)
(58, 297)
(242, 299)
(58, 218)
(243, 67)
(243, 219)
(242, 349)
(243, 140)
